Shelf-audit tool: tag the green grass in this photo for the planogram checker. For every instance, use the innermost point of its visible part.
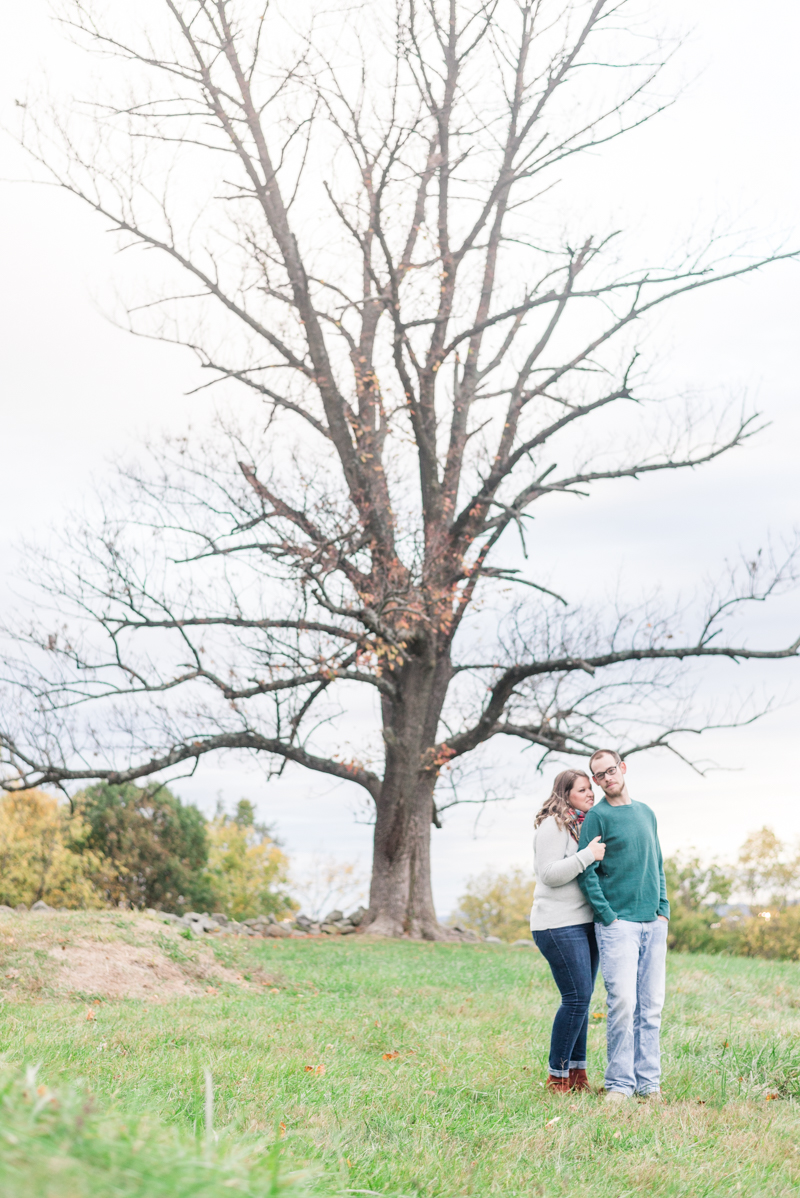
(304, 1101)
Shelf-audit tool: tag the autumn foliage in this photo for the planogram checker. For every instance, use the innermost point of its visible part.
(137, 847)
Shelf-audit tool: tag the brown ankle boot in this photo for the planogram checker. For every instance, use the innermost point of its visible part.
(578, 1080)
(557, 1085)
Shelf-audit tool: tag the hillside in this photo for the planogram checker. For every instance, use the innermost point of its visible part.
(349, 1065)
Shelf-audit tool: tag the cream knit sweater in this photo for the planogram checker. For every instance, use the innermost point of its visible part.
(558, 900)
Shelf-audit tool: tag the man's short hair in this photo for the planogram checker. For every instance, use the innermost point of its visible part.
(599, 752)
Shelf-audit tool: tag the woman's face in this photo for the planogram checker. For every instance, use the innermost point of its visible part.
(581, 797)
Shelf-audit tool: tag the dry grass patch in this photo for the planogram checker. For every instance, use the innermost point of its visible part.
(110, 956)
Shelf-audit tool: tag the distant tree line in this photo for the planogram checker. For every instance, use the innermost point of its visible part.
(750, 907)
(138, 847)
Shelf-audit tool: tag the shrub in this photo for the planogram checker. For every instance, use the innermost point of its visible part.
(695, 889)
(154, 849)
(246, 868)
(498, 904)
(773, 934)
(44, 853)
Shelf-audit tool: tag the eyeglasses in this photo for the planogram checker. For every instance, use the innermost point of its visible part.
(609, 773)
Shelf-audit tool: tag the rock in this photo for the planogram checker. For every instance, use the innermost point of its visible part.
(41, 906)
(151, 911)
(493, 940)
(297, 935)
(20, 907)
(4, 910)
(332, 917)
(200, 923)
(523, 944)
(168, 917)
(358, 916)
(346, 929)
(220, 918)
(303, 922)
(330, 929)
(276, 931)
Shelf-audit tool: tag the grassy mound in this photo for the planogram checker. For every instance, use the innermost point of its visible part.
(353, 1067)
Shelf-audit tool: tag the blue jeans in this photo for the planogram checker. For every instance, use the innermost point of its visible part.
(572, 956)
(633, 959)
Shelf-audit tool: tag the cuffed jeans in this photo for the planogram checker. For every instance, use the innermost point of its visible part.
(571, 953)
(633, 959)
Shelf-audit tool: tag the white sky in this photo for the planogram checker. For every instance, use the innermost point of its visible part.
(76, 392)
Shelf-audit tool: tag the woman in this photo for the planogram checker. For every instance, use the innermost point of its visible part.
(562, 922)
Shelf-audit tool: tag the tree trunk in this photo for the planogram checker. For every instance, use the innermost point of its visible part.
(401, 900)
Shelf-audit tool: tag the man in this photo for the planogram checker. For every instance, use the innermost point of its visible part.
(628, 894)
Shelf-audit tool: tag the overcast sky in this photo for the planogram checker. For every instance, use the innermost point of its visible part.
(76, 392)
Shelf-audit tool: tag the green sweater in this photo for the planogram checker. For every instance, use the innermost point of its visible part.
(629, 882)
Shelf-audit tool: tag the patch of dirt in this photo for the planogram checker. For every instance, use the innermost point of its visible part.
(130, 971)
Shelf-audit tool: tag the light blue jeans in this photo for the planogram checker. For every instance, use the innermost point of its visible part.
(633, 959)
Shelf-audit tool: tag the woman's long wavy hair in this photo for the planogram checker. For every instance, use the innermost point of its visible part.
(558, 803)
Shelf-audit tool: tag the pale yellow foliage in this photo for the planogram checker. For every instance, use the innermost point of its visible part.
(499, 904)
(247, 870)
(42, 854)
(328, 882)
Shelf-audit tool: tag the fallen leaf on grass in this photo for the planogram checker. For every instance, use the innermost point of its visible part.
(282, 1128)
(348, 1162)
(320, 1069)
(12, 973)
(213, 990)
(90, 1013)
(390, 1056)
(617, 1135)
(598, 1015)
(551, 1122)
(771, 1097)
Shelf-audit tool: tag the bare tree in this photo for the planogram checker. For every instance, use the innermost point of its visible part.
(378, 259)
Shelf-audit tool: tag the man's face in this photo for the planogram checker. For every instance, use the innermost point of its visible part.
(612, 783)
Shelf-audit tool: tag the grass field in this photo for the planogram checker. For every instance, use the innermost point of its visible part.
(343, 1066)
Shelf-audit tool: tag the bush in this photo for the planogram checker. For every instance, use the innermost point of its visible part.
(154, 849)
(498, 904)
(44, 853)
(773, 934)
(246, 868)
(695, 889)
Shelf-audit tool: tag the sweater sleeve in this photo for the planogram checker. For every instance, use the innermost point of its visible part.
(553, 868)
(663, 902)
(589, 880)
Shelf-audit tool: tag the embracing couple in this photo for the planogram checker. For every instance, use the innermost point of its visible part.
(601, 898)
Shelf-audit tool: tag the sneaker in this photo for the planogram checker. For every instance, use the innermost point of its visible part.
(615, 1096)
